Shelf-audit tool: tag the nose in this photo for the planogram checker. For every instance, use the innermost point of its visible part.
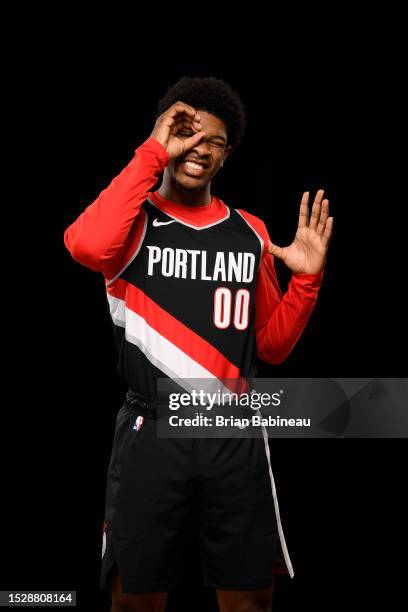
(203, 148)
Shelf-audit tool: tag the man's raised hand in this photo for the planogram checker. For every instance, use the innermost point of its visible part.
(171, 122)
(307, 253)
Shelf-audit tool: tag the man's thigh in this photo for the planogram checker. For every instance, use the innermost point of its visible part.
(239, 540)
(246, 601)
(148, 501)
(134, 602)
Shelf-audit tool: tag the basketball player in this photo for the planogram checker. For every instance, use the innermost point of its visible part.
(193, 293)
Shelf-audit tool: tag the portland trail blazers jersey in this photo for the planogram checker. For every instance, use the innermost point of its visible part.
(184, 305)
(192, 291)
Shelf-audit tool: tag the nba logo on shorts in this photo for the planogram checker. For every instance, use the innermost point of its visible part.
(139, 422)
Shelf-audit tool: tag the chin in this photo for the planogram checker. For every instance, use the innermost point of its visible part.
(189, 184)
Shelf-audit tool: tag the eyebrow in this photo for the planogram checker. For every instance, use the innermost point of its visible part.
(218, 138)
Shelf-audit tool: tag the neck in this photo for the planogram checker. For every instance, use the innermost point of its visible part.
(176, 193)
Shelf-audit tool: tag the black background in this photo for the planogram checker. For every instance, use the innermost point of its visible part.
(321, 110)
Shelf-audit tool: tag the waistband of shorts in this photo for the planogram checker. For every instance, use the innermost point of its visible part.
(144, 405)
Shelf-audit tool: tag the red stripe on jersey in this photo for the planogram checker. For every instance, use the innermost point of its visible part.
(184, 338)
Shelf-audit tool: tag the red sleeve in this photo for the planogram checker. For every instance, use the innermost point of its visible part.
(104, 233)
(280, 320)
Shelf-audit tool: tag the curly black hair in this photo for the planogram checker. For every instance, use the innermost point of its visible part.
(212, 95)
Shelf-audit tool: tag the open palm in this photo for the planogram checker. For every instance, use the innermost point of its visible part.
(307, 253)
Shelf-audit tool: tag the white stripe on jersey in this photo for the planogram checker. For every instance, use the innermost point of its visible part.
(162, 353)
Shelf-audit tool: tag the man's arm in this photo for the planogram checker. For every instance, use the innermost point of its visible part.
(102, 237)
(99, 236)
(280, 321)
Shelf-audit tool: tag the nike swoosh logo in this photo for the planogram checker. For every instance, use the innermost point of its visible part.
(156, 223)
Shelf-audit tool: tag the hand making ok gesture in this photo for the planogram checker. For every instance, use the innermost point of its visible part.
(173, 120)
(307, 253)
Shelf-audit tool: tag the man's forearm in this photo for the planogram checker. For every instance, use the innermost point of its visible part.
(98, 235)
(277, 336)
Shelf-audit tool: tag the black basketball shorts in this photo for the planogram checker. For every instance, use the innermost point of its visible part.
(154, 483)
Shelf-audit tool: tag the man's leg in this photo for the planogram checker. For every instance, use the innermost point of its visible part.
(246, 601)
(134, 602)
(147, 504)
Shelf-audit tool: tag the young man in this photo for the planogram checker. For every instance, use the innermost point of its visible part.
(193, 294)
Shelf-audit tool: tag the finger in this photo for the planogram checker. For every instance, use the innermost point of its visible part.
(184, 128)
(327, 231)
(323, 217)
(316, 209)
(178, 126)
(181, 107)
(304, 210)
(191, 142)
(276, 251)
(173, 116)
(182, 125)
(188, 125)
(188, 119)
(194, 126)
(184, 121)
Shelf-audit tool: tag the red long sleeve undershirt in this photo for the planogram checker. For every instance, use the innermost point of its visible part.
(103, 238)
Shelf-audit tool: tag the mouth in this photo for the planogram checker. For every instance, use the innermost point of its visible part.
(192, 168)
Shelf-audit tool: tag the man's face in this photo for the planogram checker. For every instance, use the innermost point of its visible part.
(208, 155)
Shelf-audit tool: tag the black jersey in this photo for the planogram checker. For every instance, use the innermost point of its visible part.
(183, 307)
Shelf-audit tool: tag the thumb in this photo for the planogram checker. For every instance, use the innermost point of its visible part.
(276, 250)
(191, 142)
